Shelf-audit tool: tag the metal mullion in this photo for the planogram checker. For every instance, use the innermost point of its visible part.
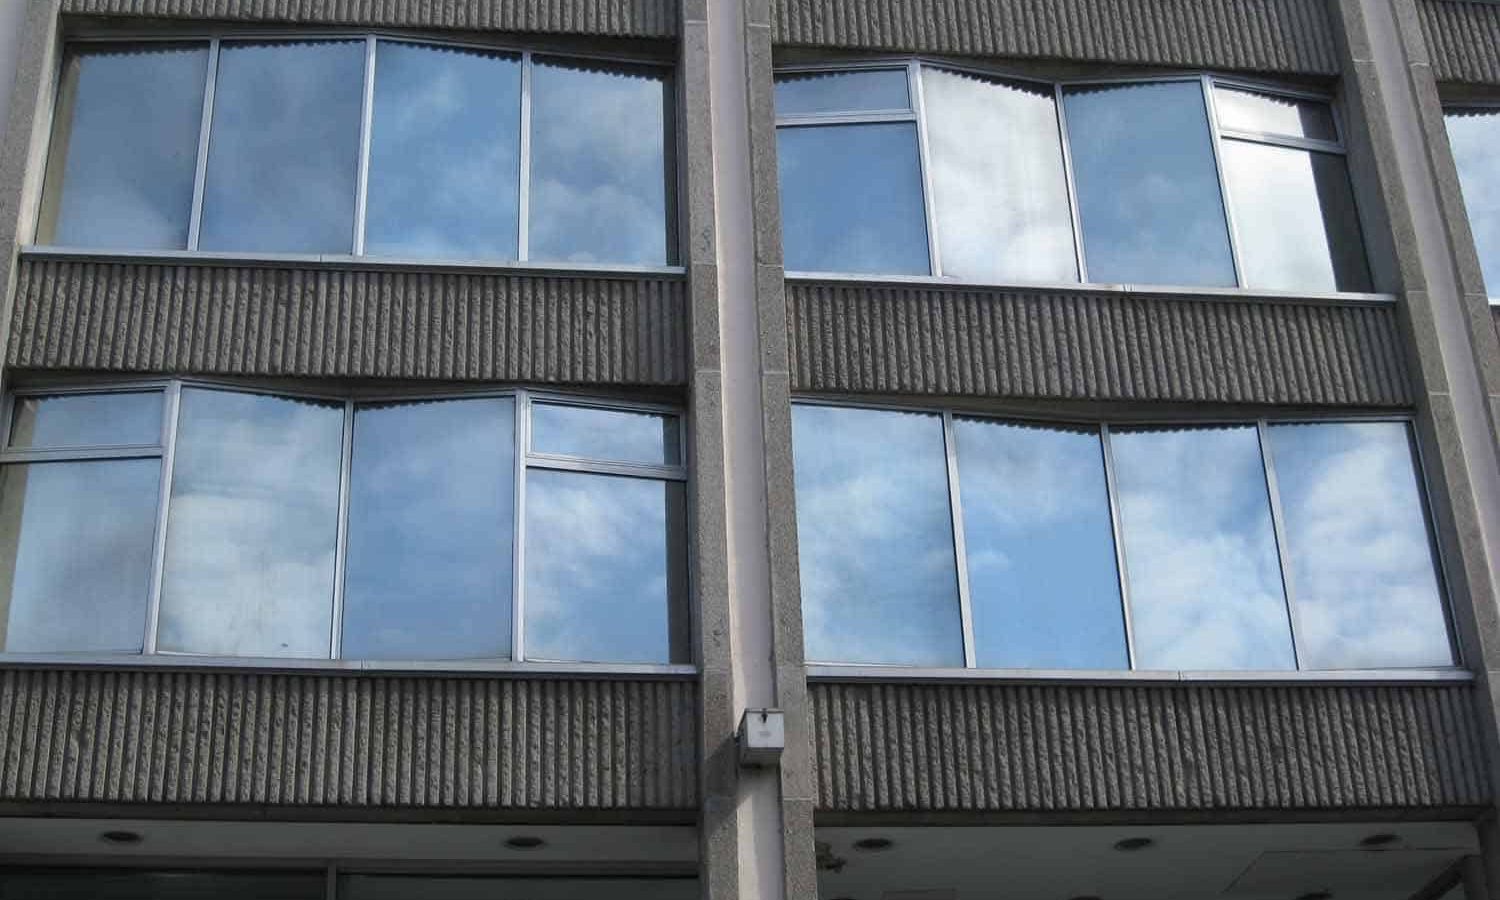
(1112, 488)
(367, 114)
(1434, 541)
(200, 172)
(171, 419)
(1291, 142)
(518, 529)
(853, 117)
(341, 544)
(80, 454)
(929, 204)
(1283, 553)
(960, 548)
(1211, 111)
(1072, 185)
(523, 195)
(331, 884)
(605, 467)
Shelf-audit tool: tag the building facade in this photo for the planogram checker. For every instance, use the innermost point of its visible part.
(858, 449)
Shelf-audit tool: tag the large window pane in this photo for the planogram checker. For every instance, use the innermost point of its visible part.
(125, 147)
(445, 161)
(1043, 585)
(284, 151)
(432, 501)
(252, 526)
(605, 574)
(86, 420)
(998, 184)
(1474, 136)
(1148, 189)
(616, 435)
(1362, 566)
(875, 535)
(1295, 218)
(135, 884)
(812, 93)
(430, 887)
(599, 167)
(1200, 550)
(851, 199)
(1272, 114)
(76, 541)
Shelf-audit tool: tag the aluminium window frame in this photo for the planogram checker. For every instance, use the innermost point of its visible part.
(349, 400)
(1490, 107)
(1104, 428)
(1057, 87)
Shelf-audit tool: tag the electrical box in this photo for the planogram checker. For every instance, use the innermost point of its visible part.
(762, 737)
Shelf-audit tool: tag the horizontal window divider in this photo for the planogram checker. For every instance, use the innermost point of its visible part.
(72, 454)
(1282, 140)
(857, 673)
(170, 662)
(341, 261)
(875, 117)
(600, 467)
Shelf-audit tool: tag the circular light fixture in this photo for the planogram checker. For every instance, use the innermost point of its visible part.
(525, 842)
(1376, 841)
(121, 838)
(1317, 895)
(874, 845)
(1130, 845)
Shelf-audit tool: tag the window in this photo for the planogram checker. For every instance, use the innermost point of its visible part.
(939, 539)
(363, 146)
(197, 519)
(1474, 134)
(930, 170)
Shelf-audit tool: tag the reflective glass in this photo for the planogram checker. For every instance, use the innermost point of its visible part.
(875, 537)
(445, 159)
(1148, 189)
(616, 435)
(605, 569)
(1273, 114)
(125, 147)
(1043, 587)
(139, 884)
(431, 539)
(599, 168)
(1200, 550)
(1362, 565)
(1475, 137)
(76, 542)
(1295, 219)
(283, 152)
(851, 199)
(86, 420)
(999, 189)
(429, 887)
(811, 93)
(252, 526)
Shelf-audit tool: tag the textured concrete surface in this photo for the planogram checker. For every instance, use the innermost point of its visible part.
(635, 18)
(1090, 346)
(1463, 38)
(1264, 35)
(960, 747)
(246, 320)
(206, 737)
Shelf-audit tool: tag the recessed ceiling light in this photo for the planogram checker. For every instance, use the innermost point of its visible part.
(525, 842)
(121, 838)
(1376, 841)
(874, 845)
(1132, 844)
(1317, 895)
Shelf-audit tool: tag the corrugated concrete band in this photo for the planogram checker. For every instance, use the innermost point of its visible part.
(1463, 40)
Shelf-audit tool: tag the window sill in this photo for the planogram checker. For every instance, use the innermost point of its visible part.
(1236, 294)
(341, 261)
(839, 673)
(173, 662)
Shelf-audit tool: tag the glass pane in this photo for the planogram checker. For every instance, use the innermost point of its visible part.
(1474, 135)
(406, 887)
(875, 538)
(76, 542)
(605, 569)
(1271, 114)
(610, 434)
(1200, 550)
(810, 93)
(1295, 217)
(283, 153)
(851, 199)
(125, 147)
(131, 884)
(1043, 586)
(252, 526)
(431, 533)
(998, 184)
(1148, 190)
(600, 174)
(1362, 566)
(445, 158)
(86, 420)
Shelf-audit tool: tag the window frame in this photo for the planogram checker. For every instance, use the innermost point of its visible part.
(1103, 426)
(523, 397)
(214, 38)
(1491, 107)
(1207, 81)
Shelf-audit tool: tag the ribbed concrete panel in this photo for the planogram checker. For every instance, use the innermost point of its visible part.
(993, 748)
(1463, 40)
(242, 320)
(299, 740)
(1265, 35)
(635, 18)
(1079, 345)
